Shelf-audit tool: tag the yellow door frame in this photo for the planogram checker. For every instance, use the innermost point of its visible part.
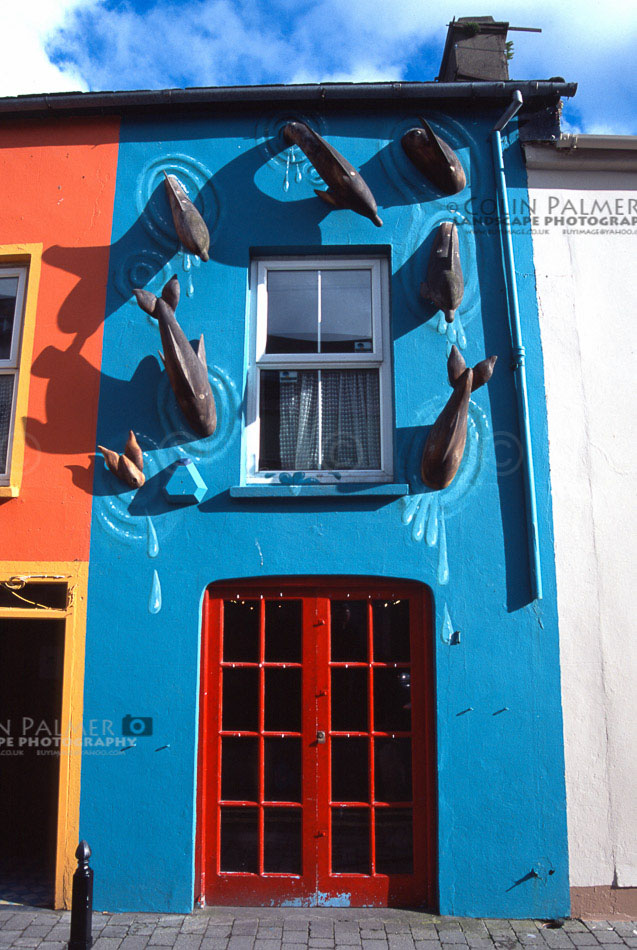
(75, 575)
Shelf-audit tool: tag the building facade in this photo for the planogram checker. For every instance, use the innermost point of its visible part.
(308, 677)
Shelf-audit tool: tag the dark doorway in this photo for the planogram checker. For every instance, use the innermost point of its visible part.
(31, 667)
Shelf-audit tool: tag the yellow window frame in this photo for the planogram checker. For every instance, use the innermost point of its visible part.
(29, 256)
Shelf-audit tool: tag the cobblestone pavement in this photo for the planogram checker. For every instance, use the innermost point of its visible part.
(298, 929)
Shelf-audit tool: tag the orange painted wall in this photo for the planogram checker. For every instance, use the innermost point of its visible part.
(57, 185)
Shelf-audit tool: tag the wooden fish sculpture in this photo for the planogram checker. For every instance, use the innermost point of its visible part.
(346, 187)
(185, 365)
(445, 443)
(190, 226)
(444, 286)
(128, 467)
(433, 158)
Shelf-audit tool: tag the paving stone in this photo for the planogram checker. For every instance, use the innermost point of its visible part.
(372, 935)
(135, 942)
(51, 945)
(163, 937)
(186, 941)
(584, 938)
(320, 941)
(266, 944)
(240, 941)
(608, 936)
(452, 936)
(107, 943)
(630, 941)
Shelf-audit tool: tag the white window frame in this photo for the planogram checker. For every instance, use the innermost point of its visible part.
(377, 358)
(11, 365)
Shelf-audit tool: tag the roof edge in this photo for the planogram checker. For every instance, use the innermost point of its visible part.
(103, 103)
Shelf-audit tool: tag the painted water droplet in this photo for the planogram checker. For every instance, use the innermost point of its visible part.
(190, 287)
(153, 543)
(286, 178)
(154, 601)
(431, 535)
(448, 348)
(452, 333)
(418, 527)
(196, 261)
(410, 507)
(299, 175)
(187, 262)
(446, 632)
(442, 324)
(443, 564)
(462, 336)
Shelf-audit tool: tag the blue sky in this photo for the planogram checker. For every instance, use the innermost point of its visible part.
(59, 45)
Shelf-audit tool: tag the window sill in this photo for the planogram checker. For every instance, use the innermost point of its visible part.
(9, 491)
(342, 490)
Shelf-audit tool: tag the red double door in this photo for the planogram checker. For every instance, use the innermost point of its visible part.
(316, 761)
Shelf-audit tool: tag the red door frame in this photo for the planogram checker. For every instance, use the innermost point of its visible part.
(377, 890)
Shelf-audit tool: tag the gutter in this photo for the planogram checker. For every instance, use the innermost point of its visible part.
(584, 152)
(517, 345)
(220, 98)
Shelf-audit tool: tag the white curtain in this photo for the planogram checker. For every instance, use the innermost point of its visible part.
(349, 408)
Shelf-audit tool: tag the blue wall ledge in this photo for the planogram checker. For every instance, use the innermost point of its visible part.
(281, 491)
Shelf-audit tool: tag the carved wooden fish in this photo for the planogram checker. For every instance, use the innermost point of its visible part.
(190, 226)
(445, 443)
(185, 365)
(444, 286)
(436, 160)
(129, 466)
(346, 187)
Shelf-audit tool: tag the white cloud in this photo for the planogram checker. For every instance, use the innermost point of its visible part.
(25, 66)
(104, 44)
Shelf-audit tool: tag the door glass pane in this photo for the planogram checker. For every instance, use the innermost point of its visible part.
(240, 769)
(350, 419)
(241, 631)
(8, 292)
(239, 839)
(346, 311)
(288, 410)
(392, 769)
(283, 631)
(348, 637)
(349, 699)
(282, 840)
(392, 700)
(240, 700)
(282, 770)
(350, 841)
(394, 841)
(282, 700)
(6, 403)
(391, 631)
(350, 769)
(292, 311)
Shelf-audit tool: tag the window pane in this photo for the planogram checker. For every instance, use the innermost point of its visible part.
(282, 777)
(391, 631)
(392, 700)
(241, 700)
(8, 293)
(394, 841)
(289, 420)
(239, 840)
(350, 841)
(6, 402)
(282, 700)
(348, 631)
(349, 699)
(292, 311)
(241, 631)
(392, 769)
(350, 769)
(240, 769)
(282, 840)
(283, 631)
(346, 311)
(350, 409)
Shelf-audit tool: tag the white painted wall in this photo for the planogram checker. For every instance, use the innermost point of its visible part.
(587, 290)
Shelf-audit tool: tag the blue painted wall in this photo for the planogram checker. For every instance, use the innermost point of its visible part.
(501, 808)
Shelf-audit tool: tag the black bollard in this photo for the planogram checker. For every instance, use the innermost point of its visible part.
(82, 901)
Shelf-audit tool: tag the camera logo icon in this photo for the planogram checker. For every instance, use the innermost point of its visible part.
(137, 726)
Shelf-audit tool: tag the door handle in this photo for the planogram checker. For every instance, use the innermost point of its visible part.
(320, 737)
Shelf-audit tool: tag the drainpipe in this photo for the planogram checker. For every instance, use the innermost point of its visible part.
(517, 345)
